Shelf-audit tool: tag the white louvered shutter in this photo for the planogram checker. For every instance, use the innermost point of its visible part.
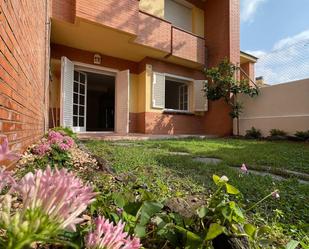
(201, 102)
(158, 90)
(122, 102)
(67, 77)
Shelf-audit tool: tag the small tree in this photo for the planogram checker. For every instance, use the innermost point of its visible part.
(223, 82)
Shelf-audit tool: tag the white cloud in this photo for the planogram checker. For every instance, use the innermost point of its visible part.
(249, 8)
(292, 40)
(288, 60)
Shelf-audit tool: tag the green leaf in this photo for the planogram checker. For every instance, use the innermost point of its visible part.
(190, 236)
(148, 209)
(227, 213)
(202, 212)
(304, 246)
(119, 200)
(214, 231)
(250, 229)
(263, 230)
(216, 179)
(231, 189)
(140, 231)
(292, 244)
(132, 207)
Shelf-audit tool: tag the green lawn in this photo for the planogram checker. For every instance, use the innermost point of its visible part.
(169, 175)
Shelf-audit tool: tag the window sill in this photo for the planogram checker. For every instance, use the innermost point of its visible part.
(180, 112)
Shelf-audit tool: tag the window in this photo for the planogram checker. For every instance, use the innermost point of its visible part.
(175, 92)
(178, 14)
(176, 95)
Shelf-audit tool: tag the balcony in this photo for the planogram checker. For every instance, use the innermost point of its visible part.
(158, 37)
(121, 15)
(188, 46)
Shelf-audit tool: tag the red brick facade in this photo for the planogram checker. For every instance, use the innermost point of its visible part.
(23, 49)
(24, 56)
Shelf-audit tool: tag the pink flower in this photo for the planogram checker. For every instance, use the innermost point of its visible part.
(58, 193)
(5, 153)
(63, 146)
(54, 137)
(42, 149)
(6, 178)
(243, 168)
(109, 236)
(69, 141)
(275, 194)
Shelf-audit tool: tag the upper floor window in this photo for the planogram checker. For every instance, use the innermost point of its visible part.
(179, 13)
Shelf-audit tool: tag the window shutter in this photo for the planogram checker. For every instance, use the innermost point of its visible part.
(67, 77)
(158, 90)
(201, 102)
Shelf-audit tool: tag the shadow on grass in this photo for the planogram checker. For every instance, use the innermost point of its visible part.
(261, 155)
(294, 197)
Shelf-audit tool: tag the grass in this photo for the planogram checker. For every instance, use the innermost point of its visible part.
(169, 175)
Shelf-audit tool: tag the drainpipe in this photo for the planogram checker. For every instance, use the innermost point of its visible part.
(171, 53)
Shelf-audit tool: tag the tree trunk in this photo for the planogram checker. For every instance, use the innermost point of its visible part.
(237, 119)
(225, 242)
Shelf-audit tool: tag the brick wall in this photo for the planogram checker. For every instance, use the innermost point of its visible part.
(222, 41)
(23, 51)
(63, 10)
(188, 46)
(121, 15)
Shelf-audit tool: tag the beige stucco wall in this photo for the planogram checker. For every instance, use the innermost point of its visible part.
(157, 8)
(154, 7)
(283, 106)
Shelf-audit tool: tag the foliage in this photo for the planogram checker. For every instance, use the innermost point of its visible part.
(54, 149)
(223, 83)
(253, 133)
(133, 204)
(277, 132)
(66, 131)
(303, 135)
(149, 165)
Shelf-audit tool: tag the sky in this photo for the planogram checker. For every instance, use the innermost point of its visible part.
(277, 31)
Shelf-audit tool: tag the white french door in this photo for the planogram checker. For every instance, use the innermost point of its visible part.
(73, 96)
(79, 101)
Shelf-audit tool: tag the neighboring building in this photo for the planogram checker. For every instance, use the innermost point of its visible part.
(247, 65)
(124, 66)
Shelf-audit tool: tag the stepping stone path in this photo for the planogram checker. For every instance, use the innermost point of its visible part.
(207, 160)
(177, 153)
(126, 144)
(215, 161)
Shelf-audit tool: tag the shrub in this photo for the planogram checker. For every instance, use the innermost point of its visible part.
(277, 132)
(253, 133)
(302, 135)
(66, 131)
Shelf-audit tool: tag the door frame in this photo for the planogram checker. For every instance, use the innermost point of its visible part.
(98, 70)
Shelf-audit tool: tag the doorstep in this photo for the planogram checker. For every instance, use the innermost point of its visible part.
(112, 136)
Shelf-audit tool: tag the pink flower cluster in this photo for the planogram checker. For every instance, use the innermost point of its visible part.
(109, 236)
(54, 138)
(63, 142)
(42, 149)
(58, 193)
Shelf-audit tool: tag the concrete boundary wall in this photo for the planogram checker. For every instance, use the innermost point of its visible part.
(283, 106)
